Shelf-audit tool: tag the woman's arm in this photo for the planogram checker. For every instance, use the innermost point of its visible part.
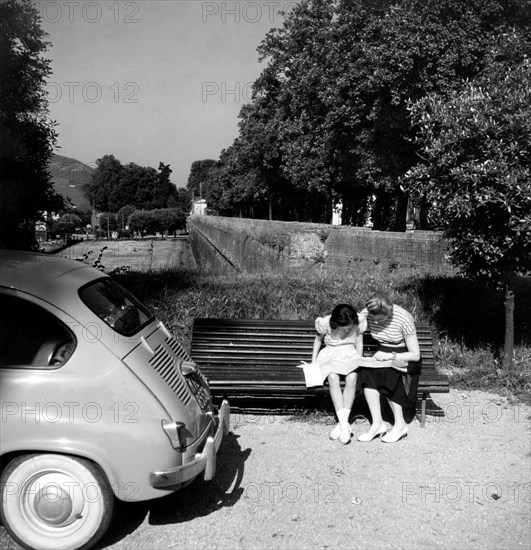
(359, 344)
(317, 346)
(411, 355)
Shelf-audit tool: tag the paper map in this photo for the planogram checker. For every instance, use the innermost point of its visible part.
(316, 373)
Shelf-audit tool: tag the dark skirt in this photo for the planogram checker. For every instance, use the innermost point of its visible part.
(399, 387)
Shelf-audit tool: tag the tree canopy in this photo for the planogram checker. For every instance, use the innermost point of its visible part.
(476, 174)
(199, 177)
(27, 136)
(329, 119)
(114, 186)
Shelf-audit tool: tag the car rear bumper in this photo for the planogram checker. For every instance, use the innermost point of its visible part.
(205, 461)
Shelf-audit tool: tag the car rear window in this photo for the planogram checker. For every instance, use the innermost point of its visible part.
(116, 306)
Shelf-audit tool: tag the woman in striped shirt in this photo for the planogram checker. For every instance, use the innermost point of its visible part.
(394, 330)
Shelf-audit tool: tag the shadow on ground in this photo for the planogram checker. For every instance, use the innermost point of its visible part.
(200, 498)
(313, 407)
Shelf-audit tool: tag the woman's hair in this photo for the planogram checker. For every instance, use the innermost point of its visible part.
(379, 303)
(343, 315)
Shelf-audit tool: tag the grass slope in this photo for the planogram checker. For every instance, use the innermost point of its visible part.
(468, 318)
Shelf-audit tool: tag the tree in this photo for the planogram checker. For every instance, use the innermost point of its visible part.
(107, 223)
(104, 183)
(181, 199)
(169, 219)
(289, 118)
(476, 177)
(413, 48)
(123, 215)
(252, 169)
(113, 186)
(164, 189)
(67, 224)
(198, 175)
(142, 221)
(329, 117)
(27, 136)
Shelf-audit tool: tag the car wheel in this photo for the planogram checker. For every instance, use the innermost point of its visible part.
(51, 501)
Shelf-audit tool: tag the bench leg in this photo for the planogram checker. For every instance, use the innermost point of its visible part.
(423, 410)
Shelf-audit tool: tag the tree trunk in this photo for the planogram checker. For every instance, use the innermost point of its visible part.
(509, 329)
(400, 212)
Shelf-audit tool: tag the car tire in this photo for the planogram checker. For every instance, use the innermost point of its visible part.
(53, 501)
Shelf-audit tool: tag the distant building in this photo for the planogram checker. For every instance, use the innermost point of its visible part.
(337, 210)
(43, 228)
(41, 233)
(199, 207)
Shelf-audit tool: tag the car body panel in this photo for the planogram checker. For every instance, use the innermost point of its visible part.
(109, 400)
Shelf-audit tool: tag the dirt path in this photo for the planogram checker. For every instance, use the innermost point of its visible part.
(463, 482)
(138, 255)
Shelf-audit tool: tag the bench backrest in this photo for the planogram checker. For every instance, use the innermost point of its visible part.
(253, 352)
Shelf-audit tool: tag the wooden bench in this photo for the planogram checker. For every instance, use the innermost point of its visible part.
(259, 357)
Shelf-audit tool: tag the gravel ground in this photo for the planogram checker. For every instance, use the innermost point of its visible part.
(462, 482)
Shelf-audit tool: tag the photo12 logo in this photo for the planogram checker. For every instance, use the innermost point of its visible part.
(92, 92)
(291, 491)
(246, 12)
(222, 91)
(70, 411)
(467, 491)
(53, 492)
(88, 12)
(488, 413)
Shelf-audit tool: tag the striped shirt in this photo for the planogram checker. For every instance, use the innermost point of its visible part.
(393, 331)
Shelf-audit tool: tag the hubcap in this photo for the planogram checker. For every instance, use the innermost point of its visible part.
(53, 504)
(54, 498)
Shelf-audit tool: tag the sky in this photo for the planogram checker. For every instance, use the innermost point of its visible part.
(152, 81)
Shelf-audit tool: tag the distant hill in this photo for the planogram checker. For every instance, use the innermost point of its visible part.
(69, 176)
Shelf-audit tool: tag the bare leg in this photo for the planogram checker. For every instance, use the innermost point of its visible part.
(398, 413)
(372, 397)
(400, 427)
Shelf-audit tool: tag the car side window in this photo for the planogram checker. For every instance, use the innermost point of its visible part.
(30, 336)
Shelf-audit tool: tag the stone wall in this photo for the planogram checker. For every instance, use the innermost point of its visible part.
(259, 245)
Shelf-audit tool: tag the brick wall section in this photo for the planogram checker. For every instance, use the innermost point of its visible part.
(219, 244)
(414, 248)
(261, 245)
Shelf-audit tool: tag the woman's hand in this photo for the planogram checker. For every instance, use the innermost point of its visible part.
(383, 356)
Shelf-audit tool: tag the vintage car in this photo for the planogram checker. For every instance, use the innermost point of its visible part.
(98, 400)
